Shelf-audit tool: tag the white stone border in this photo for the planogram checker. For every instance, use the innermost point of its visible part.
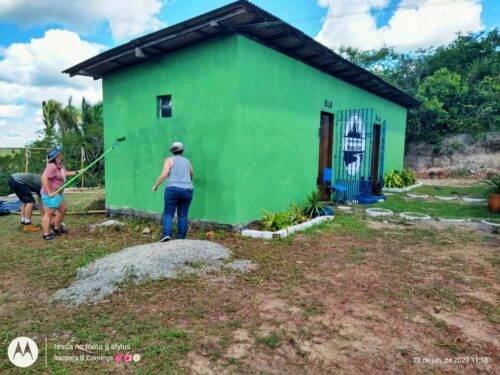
(402, 190)
(285, 232)
(451, 221)
(445, 198)
(418, 196)
(411, 216)
(344, 208)
(494, 227)
(473, 200)
(378, 212)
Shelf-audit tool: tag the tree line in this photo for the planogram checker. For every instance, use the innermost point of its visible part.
(75, 128)
(72, 126)
(458, 84)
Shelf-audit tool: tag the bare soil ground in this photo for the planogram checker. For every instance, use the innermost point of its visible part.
(457, 182)
(348, 297)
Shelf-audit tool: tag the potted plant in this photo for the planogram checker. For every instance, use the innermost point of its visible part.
(494, 197)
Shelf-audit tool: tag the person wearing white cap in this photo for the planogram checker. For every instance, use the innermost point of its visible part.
(178, 193)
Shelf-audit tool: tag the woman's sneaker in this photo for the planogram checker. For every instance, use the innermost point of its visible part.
(49, 237)
(60, 231)
(165, 239)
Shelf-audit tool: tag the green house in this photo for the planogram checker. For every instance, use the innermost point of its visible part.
(265, 111)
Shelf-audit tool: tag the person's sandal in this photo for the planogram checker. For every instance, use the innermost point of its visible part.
(48, 237)
(60, 231)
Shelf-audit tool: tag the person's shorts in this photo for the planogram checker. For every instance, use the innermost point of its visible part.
(22, 191)
(52, 202)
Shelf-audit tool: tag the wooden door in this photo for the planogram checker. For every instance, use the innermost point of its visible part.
(375, 157)
(325, 152)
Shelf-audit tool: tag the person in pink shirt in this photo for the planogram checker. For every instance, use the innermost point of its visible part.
(53, 177)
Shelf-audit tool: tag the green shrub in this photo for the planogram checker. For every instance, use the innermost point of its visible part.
(276, 221)
(399, 179)
(4, 188)
(408, 177)
(494, 183)
(296, 214)
(393, 180)
(10, 162)
(314, 206)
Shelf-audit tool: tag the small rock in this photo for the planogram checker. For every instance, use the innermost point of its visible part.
(419, 319)
(401, 349)
(242, 335)
(437, 309)
(238, 350)
(318, 340)
(107, 224)
(146, 230)
(242, 265)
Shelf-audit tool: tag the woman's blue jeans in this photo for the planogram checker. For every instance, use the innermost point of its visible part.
(176, 199)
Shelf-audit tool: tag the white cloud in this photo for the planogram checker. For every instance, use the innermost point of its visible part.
(41, 61)
(35, 95)
(32, 72)
(126, 18)
(19, 132)
(407, 29)
(11, 110)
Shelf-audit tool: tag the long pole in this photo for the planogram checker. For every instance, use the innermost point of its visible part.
(83, 171)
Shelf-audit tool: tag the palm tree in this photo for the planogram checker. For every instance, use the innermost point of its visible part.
(74, 128)
(69, 119)
(50, 111)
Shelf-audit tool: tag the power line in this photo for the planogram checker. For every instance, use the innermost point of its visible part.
(383, 10)
(412, 6)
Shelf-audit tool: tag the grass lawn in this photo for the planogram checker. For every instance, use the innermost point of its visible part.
(459, 209)
(347, 297)
(478, 190)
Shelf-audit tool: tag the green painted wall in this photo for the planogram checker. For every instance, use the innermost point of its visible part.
(249, 117)
(202, 81)
(279, 117)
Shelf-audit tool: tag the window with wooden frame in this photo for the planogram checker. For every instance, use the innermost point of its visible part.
(164, 104)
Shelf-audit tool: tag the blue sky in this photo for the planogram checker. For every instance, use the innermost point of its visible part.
(305, 14)
(38, 39)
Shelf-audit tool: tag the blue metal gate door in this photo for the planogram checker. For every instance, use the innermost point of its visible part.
(353, 143)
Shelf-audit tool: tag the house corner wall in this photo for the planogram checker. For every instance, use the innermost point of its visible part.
(201, 80)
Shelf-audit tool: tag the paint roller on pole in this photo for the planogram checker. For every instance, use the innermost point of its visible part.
(69, 182)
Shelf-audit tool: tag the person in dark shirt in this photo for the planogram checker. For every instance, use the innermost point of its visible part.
(24, 185)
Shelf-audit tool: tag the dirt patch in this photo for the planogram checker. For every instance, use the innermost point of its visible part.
(483, 296)
(343, 299)
(381, 225)
(457, 155)
(242, 344)
(199, 364)
(457, 182)
(470, 326)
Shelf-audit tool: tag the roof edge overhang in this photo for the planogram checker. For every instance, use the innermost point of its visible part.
(245, 18)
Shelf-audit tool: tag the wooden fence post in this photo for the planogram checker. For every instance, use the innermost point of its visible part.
(82, 160)
(26, 159)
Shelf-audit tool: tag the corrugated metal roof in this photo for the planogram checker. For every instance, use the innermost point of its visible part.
(242, 17)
